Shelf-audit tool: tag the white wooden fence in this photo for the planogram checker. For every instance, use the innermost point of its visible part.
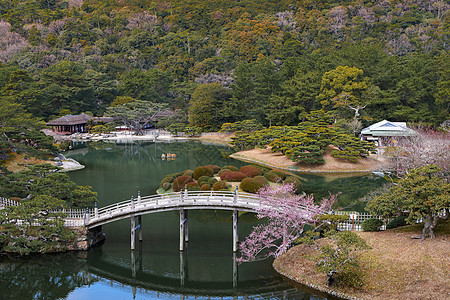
(355, 219)
(4, 202)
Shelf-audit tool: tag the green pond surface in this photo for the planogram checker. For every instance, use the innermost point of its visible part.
(157, 269)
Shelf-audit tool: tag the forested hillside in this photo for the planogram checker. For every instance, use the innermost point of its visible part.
(274, 61)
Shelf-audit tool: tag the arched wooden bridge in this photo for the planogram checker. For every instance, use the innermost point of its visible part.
(182, 201)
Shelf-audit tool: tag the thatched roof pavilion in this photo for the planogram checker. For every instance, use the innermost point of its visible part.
(70, 123)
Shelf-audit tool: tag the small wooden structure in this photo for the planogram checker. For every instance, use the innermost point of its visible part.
(70, 123)
(387, 133)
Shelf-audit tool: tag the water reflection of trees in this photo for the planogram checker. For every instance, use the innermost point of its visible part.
(352, 189)
(43, 276)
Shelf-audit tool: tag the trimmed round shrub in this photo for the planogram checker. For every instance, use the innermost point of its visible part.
(251, 171)
(215, 168)
(232, 168)
(180, 182)
(272, 176)
(371, 224)
(261, 179)
(224, 171)
(252, 185)
(281, 173)
(297, 183)
(396, 222)
(166, 186)
(202, 180)
(193, 186)
(205, 187)
(202, 171)
(169, 178)
(234, 176)
(220, 185)
(211, 181)
(188, 173)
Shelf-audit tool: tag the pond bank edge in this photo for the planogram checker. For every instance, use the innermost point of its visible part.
(311, 285)
(259, 162)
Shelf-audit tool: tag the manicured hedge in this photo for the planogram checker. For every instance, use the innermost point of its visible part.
(188, 173)
(169, 178)
(281, 173)
(233, 176)
(297, 183)
(220, 185)
(166, 186)
(193, 186)
(396, 222)
(215, 168)
(272, 176)
(180, 182)
(252, 185)
(211, 181)
(202, 171)
(371, 225)
(202, 180)
(205, 187)
(261, 179)
(251, 171)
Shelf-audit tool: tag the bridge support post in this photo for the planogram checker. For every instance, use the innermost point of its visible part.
(133, 232)
(182, 233)
(186, 226)
(235, 271)
(133, 265)
(182, 269)
(140, 228)
(235, 230)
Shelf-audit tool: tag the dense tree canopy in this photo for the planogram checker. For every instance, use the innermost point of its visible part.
(277, 58)
(422, 195)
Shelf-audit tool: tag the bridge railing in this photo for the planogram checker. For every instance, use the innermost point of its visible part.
(185, 199)
(191, 198)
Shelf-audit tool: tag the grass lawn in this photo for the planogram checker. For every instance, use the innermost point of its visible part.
(397, 267)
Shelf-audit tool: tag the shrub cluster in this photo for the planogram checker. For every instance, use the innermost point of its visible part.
(193, 186)
(202, 171)
(396, 222)
(205, 187)
(252, 185)
(202, 178)
(251, 171)
(180, 182)
(272, 176)
(297, 183)
(215, 168)
(188, 173)
(281, 173)
(169, 179)
(220, 185)
(234, 176)
(371, 224)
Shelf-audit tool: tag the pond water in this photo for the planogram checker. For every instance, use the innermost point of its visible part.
(156, 269)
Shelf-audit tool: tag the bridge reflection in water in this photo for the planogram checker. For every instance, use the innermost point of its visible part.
(139, 281)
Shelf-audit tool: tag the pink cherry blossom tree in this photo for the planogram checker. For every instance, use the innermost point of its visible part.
(287, 214)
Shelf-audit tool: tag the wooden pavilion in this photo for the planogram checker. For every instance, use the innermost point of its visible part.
(387, 133)
(70, 123)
